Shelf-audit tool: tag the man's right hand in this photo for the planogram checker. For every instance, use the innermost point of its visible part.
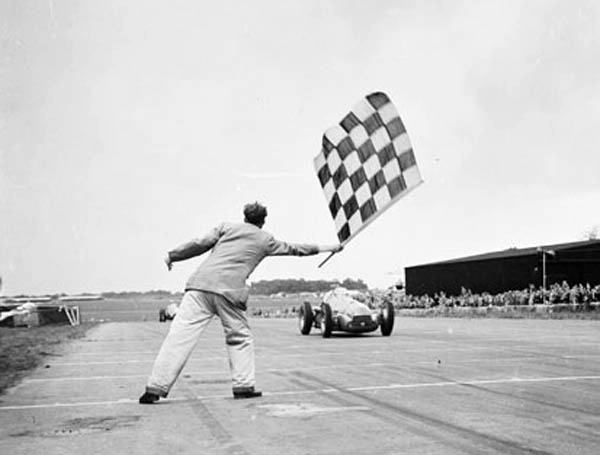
(332, 248)
(168, 262)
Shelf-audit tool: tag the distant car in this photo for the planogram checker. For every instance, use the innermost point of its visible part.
(341, 311)
(168, 313)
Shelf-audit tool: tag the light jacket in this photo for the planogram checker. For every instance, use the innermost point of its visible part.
(237, 249)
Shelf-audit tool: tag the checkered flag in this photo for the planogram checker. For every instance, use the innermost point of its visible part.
(366, 164)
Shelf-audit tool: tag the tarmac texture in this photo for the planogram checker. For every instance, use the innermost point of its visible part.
(436, 386)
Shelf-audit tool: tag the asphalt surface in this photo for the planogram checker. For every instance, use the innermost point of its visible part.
(436, 386)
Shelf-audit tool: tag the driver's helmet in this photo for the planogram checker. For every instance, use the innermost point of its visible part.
(358, 296)
(336, 292)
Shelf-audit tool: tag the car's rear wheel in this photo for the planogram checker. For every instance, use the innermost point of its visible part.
(305, 318)
(326, 320)
(387, 319)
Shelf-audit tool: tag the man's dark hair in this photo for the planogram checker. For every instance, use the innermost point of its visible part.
(255, 213)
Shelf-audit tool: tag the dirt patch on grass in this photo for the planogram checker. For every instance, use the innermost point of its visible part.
(23, 349)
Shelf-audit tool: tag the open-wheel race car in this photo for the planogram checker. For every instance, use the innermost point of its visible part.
(168, 313)
(341, 311)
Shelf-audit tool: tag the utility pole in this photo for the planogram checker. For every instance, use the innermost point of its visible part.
(544, 253)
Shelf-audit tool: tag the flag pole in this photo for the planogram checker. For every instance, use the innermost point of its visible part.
(326, 259)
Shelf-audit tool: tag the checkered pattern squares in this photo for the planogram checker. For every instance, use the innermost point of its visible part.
(366, 163)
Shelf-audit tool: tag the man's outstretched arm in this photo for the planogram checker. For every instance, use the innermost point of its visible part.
(193, 248)
(331, 248)
(279, 248)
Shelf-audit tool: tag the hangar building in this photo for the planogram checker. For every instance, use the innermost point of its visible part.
(515, 268)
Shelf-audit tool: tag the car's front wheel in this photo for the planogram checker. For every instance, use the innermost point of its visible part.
(387, 319)
(305, 318)
(326, 320)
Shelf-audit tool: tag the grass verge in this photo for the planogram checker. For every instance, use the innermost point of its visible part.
(23, 349)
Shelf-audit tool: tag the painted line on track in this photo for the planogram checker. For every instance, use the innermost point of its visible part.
(119, 362)
(202, 373)
(310, 355)
(525, 355)
(275, 370)
(314, 392)
(219, 351)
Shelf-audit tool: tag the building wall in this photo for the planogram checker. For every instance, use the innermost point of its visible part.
(479, 276)
(575, 265)
(578, 265)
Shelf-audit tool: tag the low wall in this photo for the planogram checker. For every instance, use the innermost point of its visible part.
(559, 310)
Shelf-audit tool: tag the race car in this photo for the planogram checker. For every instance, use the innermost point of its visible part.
(340, 310)
(168, 313)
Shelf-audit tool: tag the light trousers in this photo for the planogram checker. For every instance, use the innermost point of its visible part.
(196, 311)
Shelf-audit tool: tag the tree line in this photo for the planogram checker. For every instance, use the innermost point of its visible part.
(293, 286)
(263, 287)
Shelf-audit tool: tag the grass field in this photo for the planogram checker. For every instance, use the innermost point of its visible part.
(23, 349)
(146, 308)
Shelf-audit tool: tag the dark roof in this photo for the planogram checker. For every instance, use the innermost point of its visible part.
(513, 252)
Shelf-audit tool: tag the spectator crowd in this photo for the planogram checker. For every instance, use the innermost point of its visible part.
(581, 297)
(556, 293)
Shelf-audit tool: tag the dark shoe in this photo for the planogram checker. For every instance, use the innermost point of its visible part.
(246, 393)
(149, 398)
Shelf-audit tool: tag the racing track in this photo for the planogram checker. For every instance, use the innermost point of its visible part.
(437, 386)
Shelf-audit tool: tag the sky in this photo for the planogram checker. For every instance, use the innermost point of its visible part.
(128, 128)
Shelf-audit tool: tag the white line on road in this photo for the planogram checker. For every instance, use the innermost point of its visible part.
(202, 373)
(313, 391)
(119, 362)
(272, 370)
(311, 355)
(95, 378)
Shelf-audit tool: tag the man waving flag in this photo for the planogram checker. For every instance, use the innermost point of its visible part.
(366, 164)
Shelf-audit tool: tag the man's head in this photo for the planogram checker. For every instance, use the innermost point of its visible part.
(255, 213)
